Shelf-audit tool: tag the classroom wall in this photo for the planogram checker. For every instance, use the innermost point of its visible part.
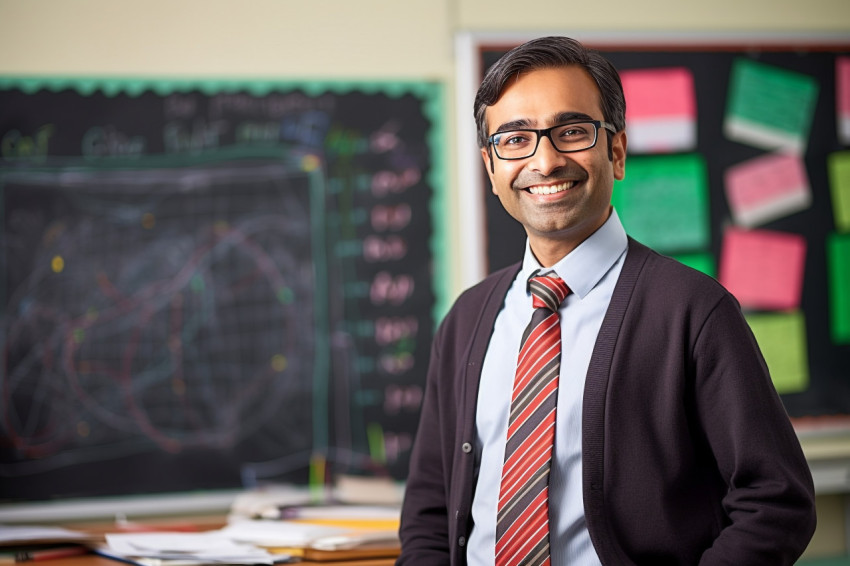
(363, 39)
(345, 39)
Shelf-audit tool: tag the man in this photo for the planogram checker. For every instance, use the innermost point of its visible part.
(671, 445)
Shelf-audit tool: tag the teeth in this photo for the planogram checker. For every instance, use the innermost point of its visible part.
(550, 189)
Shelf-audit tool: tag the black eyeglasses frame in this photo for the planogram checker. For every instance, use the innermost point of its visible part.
(547, 132)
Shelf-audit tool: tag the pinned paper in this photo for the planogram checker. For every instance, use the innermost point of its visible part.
(769, 107)
(838, 268)
(663, 202)
(782, 340)
(661, 114)
(763, 268)
(767, 188)
(842, 98)
(838, 167)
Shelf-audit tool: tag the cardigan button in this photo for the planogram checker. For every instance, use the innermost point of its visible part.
(461, 541)
(466, 447)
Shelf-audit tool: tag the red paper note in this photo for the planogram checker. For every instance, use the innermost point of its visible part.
(842, 98)
(767, 188)
(660, 110)
(763, 268)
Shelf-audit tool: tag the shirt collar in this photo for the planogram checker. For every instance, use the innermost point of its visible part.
(585, 266)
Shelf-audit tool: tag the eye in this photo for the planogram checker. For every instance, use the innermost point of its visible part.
(513, 138)
(572, 131)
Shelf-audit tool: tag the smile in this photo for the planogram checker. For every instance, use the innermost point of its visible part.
(551, 189)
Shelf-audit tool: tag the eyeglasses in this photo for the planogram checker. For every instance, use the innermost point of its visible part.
(566, 138)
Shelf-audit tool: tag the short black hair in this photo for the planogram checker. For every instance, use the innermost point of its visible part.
(545, 53)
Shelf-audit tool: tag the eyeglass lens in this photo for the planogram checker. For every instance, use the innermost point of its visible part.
(517, 144)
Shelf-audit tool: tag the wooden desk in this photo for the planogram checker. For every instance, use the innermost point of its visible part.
(199, 524)
(93, 560)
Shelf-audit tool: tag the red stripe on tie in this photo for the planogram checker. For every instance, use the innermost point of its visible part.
(519, 469)
(526, 532)
(522, 529)
(550, 389)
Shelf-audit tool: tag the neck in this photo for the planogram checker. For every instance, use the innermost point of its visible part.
(549, 249)
(549, 253)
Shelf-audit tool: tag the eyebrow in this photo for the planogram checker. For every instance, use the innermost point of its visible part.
(524, 123)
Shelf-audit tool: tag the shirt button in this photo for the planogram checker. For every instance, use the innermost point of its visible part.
(467, 447)
(461, 541)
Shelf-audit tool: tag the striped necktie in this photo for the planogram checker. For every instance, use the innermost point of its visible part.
(522, 526)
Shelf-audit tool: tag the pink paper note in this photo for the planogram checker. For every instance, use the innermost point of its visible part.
(763, 268)
(842, 98)
(767, 188)
(660, 109)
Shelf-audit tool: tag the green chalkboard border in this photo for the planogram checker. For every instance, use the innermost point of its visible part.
(433, 106)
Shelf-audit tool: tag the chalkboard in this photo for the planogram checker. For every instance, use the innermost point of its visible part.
(825, 402)
(212, 285)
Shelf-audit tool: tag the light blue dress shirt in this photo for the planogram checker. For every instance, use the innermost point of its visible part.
(590, 271)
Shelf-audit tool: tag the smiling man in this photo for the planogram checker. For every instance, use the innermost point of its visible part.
(596, 403)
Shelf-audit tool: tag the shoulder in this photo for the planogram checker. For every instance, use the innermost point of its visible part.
(661, 288)
(662, 275)
(480, 294)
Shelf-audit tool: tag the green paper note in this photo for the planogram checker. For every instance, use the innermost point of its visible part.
(700, 261)
(663, 202)
(769, 107)
(782, 339)
(838, 267)
(838, 165)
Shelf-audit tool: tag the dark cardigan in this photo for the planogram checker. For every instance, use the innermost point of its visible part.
(688, 455)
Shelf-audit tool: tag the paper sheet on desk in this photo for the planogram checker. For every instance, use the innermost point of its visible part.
(356, 540)
(30, 534)
(208, 548)
(278, 533)
(294, 534)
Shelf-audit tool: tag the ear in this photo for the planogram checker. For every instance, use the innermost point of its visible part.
(618, 152)
(485, 155)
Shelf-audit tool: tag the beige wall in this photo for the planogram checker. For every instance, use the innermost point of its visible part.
(351, 38)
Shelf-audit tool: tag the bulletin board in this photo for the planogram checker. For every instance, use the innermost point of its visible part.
(211, 285)
(743, 173)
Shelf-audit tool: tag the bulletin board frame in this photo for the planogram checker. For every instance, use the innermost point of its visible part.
(356, 146)
(828, 434)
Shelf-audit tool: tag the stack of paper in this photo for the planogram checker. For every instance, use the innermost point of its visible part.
(184, 549)
(30, 543)
(324, 536)
(36, 534)
(278, 535)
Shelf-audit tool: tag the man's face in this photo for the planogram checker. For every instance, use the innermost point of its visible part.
(579, 184)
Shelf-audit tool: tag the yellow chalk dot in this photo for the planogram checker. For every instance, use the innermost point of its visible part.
(279, 362)
(83, 429)
(148, 221)
(310, 163)
(57, 264)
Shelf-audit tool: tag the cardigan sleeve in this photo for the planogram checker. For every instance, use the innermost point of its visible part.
(770, 497)
(424, 519)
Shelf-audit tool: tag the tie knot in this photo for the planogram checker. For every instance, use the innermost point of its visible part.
(548, 291)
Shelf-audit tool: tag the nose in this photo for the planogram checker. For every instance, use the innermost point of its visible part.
(546, 159)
